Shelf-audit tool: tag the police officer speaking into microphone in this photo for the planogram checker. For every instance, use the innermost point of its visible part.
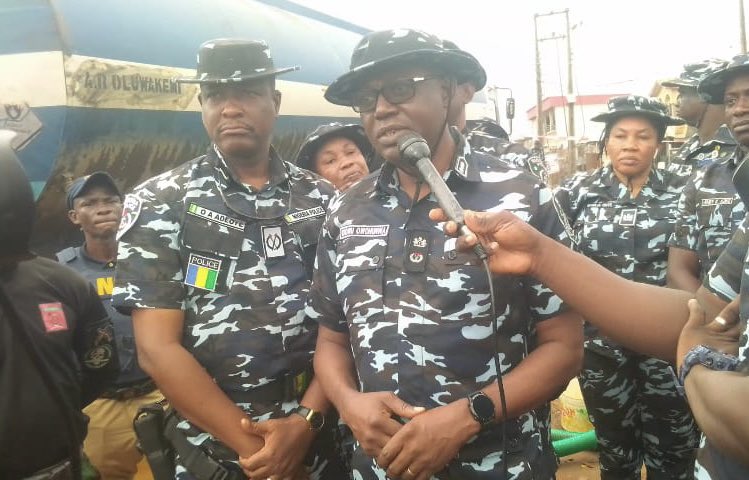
(214, 263)
(405, 349)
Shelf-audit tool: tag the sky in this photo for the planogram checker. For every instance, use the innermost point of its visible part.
(617, 47)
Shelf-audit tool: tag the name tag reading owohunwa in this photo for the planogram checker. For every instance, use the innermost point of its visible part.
(202, 272)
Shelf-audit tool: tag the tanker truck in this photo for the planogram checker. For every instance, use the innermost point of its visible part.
(90, 85)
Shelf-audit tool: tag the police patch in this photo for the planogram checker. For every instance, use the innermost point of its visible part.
(202, 272)
(628, 218)
(304, 215)
(53, 317)
(216, 217)
(98, 357)
(273, 242)
(130, 211)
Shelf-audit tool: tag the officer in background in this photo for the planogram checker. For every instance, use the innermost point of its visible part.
(57, 349)
(215, 259)
(339, 153)
(486, 135)
(712, 141)
(710, 210)
(416, 314)
(95, 206)
(622, 215)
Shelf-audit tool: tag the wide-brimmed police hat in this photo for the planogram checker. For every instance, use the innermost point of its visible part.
(378, 51)
(694, 73)
(713, 86)
(226, 60)
(635, 105)
(79, 186)
(305, 158)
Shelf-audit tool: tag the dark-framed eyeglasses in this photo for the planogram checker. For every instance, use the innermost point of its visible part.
(395, 92)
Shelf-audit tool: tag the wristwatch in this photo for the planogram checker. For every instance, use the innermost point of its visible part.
(481, 407)
(707, 357)
(315, 419)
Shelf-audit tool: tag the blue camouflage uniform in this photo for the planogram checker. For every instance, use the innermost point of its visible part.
(728, 278)
(418, 311)
(693, 155)
(709, 212)
(238, 262)
(481, 139)
(631, 398)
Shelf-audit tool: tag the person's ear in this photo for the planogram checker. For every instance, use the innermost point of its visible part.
(73, 217)
(277, 100)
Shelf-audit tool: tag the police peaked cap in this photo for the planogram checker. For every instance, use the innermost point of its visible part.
(379, 51)
(228, 60)
(694, 73)
(305, 158)
(713, 86)
(635, 105)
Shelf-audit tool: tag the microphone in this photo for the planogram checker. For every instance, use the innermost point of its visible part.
(414, 151)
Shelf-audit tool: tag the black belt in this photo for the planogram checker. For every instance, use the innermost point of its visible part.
(284, 389)
(130, 391)
(197, 462)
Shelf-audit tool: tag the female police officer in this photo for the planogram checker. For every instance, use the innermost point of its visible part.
(622, 216)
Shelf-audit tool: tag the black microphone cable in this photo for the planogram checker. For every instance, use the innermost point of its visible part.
(415, 151)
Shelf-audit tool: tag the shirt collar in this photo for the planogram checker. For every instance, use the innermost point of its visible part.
(278, 171)
(655, 180)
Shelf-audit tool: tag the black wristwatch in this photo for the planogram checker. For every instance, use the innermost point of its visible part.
(315, 419)
(707, 357)
(481, 407)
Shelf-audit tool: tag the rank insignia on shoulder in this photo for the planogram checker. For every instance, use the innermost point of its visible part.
(130, 212)
(272, 242)
(304, 215)
(628, 218)
(202, 272)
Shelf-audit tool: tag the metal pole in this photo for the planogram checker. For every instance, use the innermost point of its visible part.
(571, 147)
(742, 26)
(539, 93)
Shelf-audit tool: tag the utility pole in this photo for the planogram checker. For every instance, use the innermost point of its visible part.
(571, 147)
(539, 93)
(742, 26)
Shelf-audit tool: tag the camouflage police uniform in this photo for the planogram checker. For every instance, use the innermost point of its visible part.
(631, 399)
(418, 311)
(709, 212)
(237, 261)
(728, 278)
(695, 156)
(482, 138)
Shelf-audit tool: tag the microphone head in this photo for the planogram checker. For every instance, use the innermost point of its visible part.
(412, 147)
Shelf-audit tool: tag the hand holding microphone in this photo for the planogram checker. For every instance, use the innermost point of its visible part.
(414, 151)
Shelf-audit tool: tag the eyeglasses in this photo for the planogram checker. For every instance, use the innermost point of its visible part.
(396, 92)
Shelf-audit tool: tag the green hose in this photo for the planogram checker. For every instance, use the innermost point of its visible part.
(578, 443)
(562, 434)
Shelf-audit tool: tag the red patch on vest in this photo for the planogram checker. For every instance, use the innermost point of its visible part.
(53, 317)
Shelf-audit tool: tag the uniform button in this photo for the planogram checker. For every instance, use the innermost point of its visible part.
(376, 259)
(451, 255)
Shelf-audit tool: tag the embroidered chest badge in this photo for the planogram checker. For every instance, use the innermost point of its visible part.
(130, 212)
(628, 217)
(202, 272)
(273, 242)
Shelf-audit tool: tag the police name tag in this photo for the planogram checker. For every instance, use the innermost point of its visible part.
(272, 242)
(628, 217)
(363, 231)
(711, 202)
(304, 215)
(216, 217)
